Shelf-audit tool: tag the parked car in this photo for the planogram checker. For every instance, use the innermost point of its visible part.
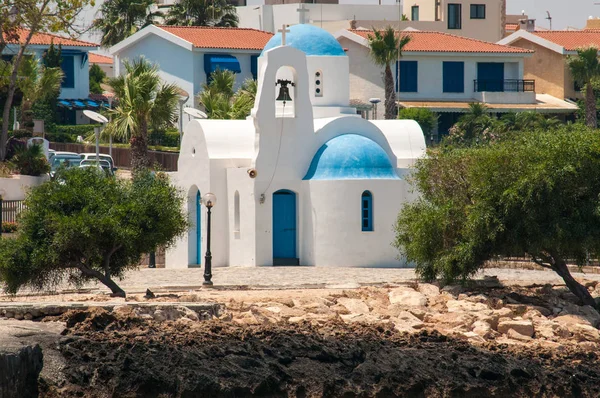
(103, 165)
(63, 159)
(107, 158)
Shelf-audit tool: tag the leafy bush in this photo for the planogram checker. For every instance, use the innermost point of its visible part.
(9, 227)
(5, 170)
(73, 130)
(84, 225)
(168, 138)
(31, 161)
(426, 118)
(537, 193)
(21, 133)
(60, 137)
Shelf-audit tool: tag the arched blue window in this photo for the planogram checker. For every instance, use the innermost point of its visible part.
(367, 211)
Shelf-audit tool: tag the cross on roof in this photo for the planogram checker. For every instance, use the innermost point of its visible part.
(284, 29)
(302, 12)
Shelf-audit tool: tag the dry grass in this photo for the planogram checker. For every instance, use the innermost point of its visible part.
(5, 170)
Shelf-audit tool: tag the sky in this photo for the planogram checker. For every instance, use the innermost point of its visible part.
(565, 13)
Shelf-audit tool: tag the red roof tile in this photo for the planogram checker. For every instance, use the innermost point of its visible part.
(226, 38)
(571, 40)
(424, 41)
(99, 59)
(46, 38)
(511, 26)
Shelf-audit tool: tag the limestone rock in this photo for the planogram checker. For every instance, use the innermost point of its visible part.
(482, 329)
(524, 327)
(245, 319)
(465, 306)
(407, 297)
(428, 289)
(569, 320)
(407, 322)
(512, 334)
(585, 332)
(462, 321)
(361, 318)
(504, 312)
(355, 306)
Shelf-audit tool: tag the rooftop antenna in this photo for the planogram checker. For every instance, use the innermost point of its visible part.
(549, 18)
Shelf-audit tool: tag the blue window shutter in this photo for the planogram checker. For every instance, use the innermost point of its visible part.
(409, 76)
(454, 77)
(254, 66)
(68, 67)
(366, 211)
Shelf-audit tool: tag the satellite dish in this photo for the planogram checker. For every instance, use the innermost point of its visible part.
(95, 116)
(195, 113)
(182, 93)
(107, 88)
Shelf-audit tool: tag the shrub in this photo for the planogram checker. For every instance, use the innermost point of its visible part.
(74, 130)
(84, 225)
(5, 170)
(21, 133)
(60, 137)
(31, 161)
(426, 118)
(9, 227)
(169, 138)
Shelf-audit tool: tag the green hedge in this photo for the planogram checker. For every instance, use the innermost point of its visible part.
(168, 138)
(75, 130)
(61, 137)
(20, 133)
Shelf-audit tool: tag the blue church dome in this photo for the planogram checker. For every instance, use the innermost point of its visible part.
(309, 39)
(350, 157)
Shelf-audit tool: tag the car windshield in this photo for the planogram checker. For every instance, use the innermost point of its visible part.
(70, 161)
(105, 158)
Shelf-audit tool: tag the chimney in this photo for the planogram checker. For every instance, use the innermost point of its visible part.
(592, 23)
(527, 24)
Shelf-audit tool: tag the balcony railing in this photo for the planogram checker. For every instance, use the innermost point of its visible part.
(504, 85)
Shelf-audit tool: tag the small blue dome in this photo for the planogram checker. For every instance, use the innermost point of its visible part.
(350, 157)
(309, 39)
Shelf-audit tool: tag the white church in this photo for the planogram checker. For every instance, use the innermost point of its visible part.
(303, 180)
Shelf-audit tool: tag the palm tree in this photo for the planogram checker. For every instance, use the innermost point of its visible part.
(119, 19)
(585, 68)
(385, 48)
(36, 82)
(219, 99)
(202, 13)
(143, 102)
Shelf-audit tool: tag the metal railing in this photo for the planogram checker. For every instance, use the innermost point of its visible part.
(11, 209)
(504, 85)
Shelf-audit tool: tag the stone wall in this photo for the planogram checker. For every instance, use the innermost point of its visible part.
(19, 371)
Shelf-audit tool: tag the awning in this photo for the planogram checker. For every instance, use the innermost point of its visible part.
(80, 103)
(544, 103)
(212, 62)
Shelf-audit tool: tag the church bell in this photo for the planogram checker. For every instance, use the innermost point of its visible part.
(284, 90)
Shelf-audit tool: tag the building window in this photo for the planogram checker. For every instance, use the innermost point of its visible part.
(408, 76)
(414, 13)
(454, 77)
(367, 211)
(318, 83)
(454, 16)
(236, 215)
(477, 11)
(68, 67)
(576, 86)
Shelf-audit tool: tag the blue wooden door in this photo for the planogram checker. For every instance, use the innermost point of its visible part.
(198, 228)
(284, 225)
(490, 76)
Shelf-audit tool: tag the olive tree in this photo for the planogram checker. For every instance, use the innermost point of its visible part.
(84, 225)
(534, 193)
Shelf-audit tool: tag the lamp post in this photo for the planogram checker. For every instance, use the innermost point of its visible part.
(208, 200)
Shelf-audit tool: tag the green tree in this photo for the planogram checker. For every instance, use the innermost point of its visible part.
(53, 56)
(202, 13)
(144, 102)
(35, 16)
(119, 19)
(84, 226)
(534, 193)
(527, 121)
(426, 118)
(220, 101)
(97, 77)
(37, 83)
(385, 47)
(585, 68)
(31, 161)
(475, 126)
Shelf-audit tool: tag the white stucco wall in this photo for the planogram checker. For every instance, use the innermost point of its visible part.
(16, 188)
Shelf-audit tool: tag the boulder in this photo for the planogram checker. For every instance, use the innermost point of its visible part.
(428, 289)
(407, 322)
(482, 329)
(524, 327)
(462, 321)
(355, 306)
(465, 306)
(569, 320)
(407, 297)
(585, 332)
(512, 334)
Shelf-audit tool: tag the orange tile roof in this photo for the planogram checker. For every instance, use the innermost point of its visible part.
(511, 26)
(100, 59)
(226, 38)
(571, 40)
(46, 38)
(424, 41)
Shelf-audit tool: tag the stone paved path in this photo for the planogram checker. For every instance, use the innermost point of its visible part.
(304, 277)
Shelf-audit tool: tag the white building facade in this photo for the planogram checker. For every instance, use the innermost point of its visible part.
(305, 181)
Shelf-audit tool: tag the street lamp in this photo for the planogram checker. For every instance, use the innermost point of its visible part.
(2, 193)
(374, 102)
(109, 93)
(100, 119)
(208, 200)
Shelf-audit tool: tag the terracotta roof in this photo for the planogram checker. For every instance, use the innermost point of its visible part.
(100, 59)
(571, 40)
(226, 38)
(511, 26)
(424, 41)
(46, 38)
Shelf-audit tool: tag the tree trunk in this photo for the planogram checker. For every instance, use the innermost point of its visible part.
(105, 279)
(560, 267)
(390, 94)
(139, 149)
(590, 106)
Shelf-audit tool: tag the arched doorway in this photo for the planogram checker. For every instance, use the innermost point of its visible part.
(284, 228)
